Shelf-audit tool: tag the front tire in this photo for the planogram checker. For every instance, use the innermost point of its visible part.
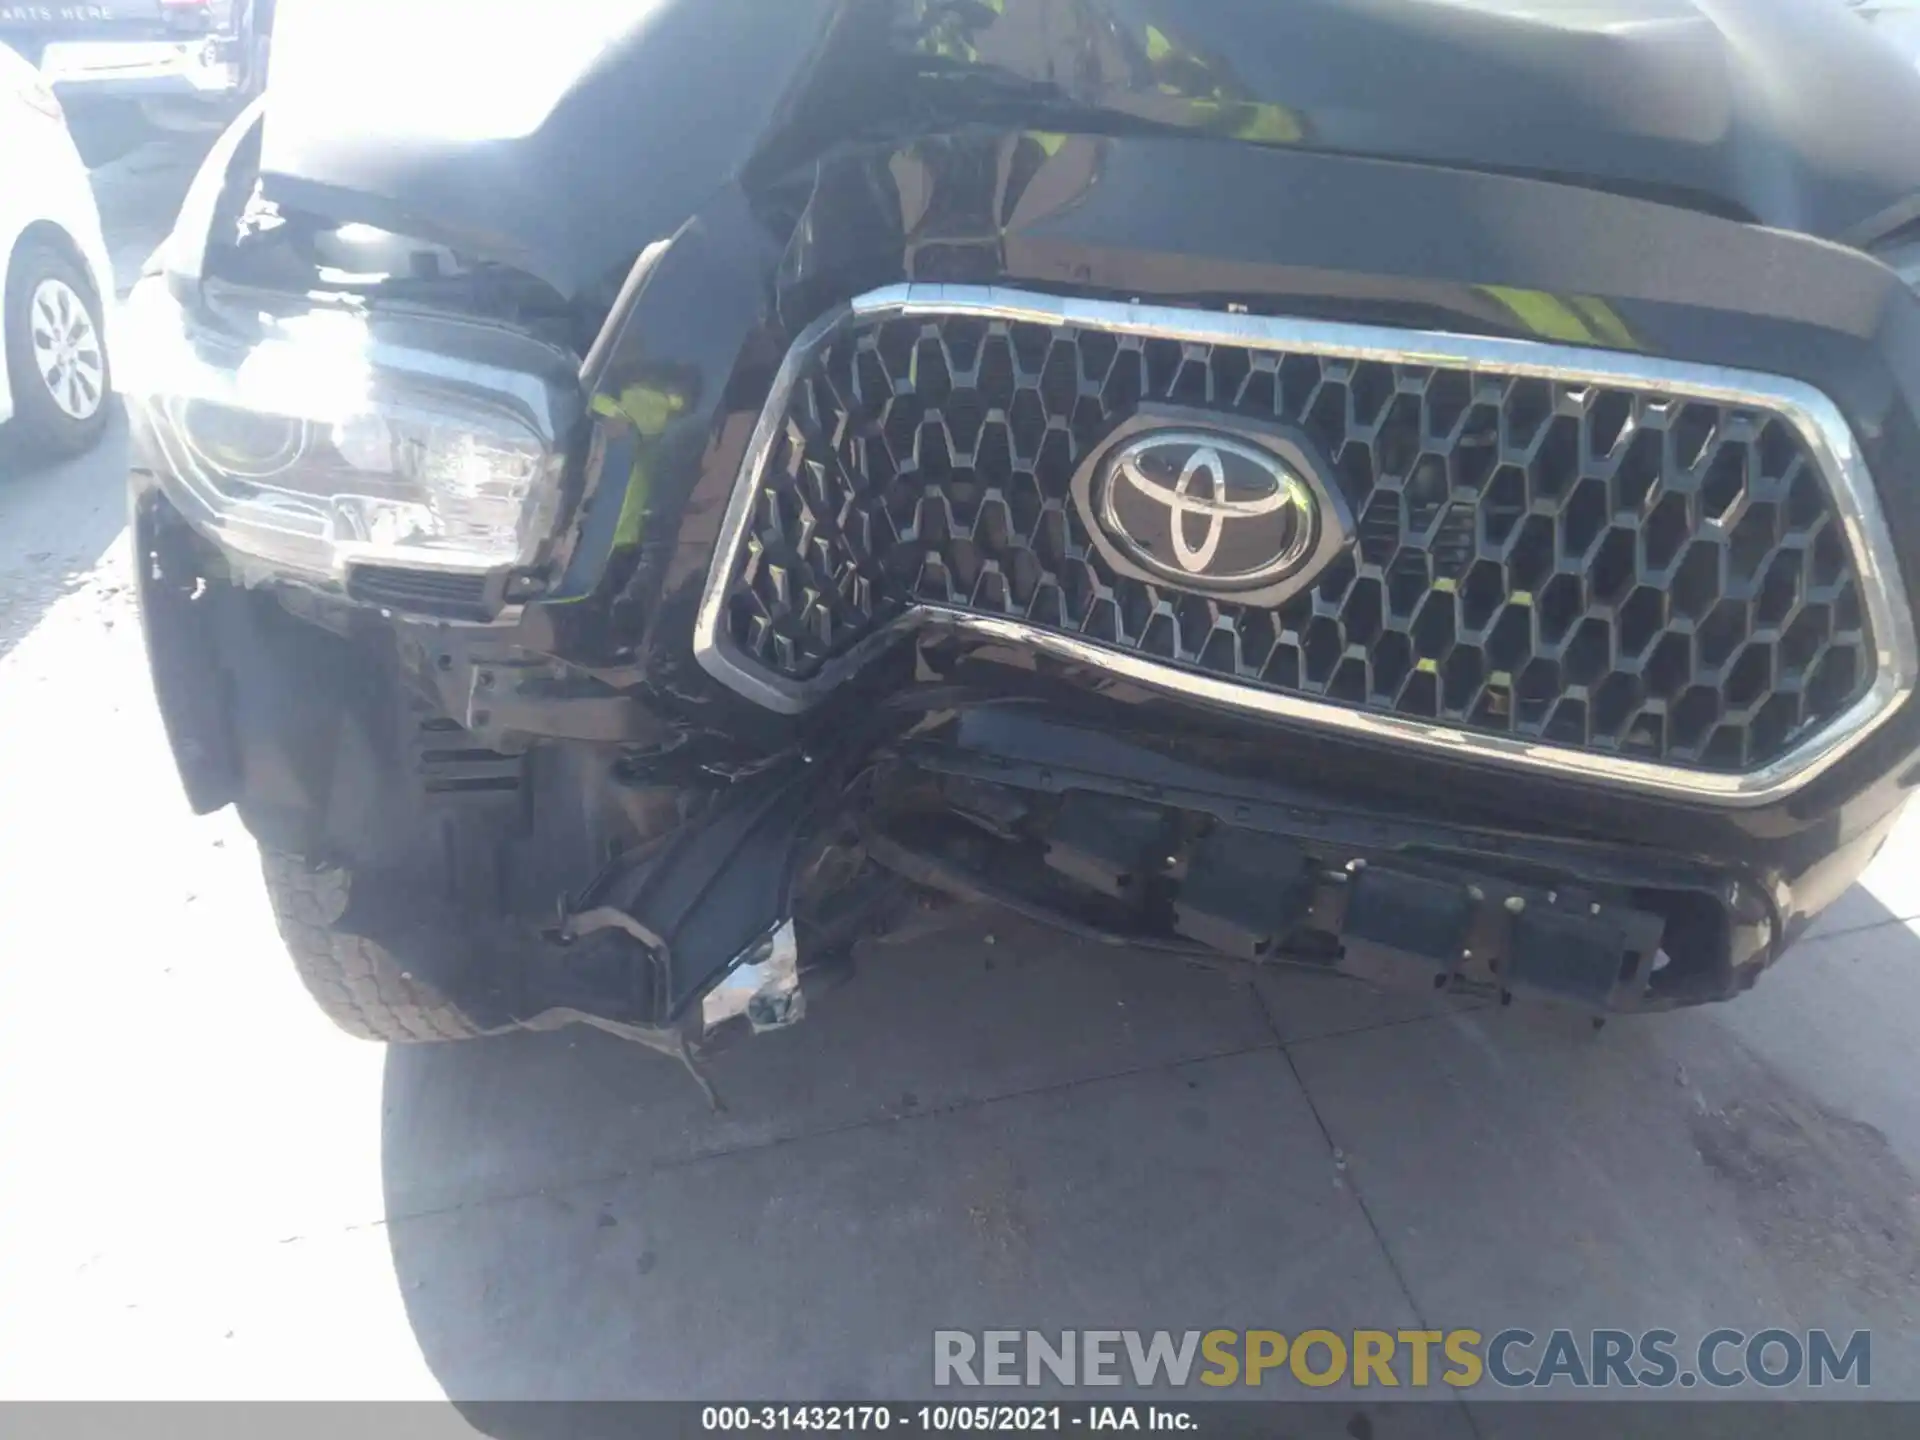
(57, 365)
(360, 986)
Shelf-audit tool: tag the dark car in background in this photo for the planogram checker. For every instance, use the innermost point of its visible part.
(127, 69)
(1420, 490)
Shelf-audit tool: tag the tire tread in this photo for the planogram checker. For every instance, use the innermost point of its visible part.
(360, 986)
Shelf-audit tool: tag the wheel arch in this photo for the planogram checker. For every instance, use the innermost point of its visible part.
(55, 235)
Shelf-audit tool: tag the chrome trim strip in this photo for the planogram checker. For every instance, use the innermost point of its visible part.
(1810, 412)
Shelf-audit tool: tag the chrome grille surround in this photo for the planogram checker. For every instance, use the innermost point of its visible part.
(1786, 420)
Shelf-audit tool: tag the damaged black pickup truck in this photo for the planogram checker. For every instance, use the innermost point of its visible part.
(1428, 490)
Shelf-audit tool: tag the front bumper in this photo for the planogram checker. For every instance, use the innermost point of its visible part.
(1117, 842)
(957, 795)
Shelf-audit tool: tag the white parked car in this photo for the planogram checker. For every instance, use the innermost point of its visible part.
(57, 281)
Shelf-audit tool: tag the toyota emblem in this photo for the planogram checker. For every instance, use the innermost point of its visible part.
(1208, 510)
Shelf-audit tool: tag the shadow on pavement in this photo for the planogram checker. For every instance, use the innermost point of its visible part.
(139, 197)
(56, 522)
(1043, 1134)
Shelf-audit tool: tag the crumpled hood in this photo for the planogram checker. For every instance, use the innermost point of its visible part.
(564, 137)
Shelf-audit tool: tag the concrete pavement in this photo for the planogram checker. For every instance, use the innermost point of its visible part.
(208, 1192)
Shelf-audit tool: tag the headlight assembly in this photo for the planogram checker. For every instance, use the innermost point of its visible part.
(323, 442)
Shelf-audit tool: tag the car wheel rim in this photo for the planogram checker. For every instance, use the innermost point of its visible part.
(66, 348)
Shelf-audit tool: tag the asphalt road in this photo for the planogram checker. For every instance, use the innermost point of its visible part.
(208, 1192)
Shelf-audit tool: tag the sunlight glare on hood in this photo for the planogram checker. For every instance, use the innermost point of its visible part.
(448, 69)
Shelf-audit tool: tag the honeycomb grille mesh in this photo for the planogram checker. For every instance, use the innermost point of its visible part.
(1582, 565)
